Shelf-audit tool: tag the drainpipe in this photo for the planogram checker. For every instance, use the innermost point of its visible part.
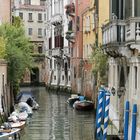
(126, 120)
(134, 117)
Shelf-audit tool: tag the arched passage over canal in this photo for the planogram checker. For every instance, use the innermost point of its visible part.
(55, 120)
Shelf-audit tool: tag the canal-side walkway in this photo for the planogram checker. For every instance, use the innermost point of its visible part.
(55, 120)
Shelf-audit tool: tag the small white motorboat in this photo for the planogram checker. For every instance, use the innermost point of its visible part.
(18, 116)
(25, 107)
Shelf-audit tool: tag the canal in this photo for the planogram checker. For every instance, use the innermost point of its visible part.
(55, 120)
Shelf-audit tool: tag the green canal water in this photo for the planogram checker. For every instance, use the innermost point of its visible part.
(55, 120)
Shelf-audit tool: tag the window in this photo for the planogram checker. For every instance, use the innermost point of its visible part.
(62, 77)
(93, 21)
(20, 2)
(136, 72)
(54, 77)
(44, 32)
(70, 25)
(27, 2)
(30, 18)
(74, 72)
(50, 63)
(39, 32)
(117, 9)
(21, 15)
(128, 8)
(40, 17)
(42, 2)
(55, 64)
(137, 9)
(44, 17)
(88, 23)
(50, 43)
(40, 49)
(77, 23)
(30, 31)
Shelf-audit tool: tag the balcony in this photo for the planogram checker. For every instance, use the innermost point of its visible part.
(66, 51)
(70, 36)
(114, 37)
(56, 20)
(48, 54)
(132, 30)
(70, 9)
(57, 52)
(121, 33)
(114, 33)
(38, 57)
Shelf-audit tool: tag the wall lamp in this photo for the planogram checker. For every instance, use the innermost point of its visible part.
(119, 92)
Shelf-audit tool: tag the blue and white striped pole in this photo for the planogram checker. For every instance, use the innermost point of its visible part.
(126, 120)
(134, 116)
(99, 113)
(106, 115)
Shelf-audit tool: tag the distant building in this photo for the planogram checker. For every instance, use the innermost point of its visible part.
(74, 12)
(33, 15)
(5, 11)
(58, 51)
(5, 17)
(121, 41)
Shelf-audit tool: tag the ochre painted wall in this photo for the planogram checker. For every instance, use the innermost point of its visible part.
(103, 17)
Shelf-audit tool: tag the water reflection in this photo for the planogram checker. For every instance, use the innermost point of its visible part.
(55, 120)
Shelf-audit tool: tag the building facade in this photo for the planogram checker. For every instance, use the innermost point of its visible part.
(58, 51)
(33, 15)
(121, 42)
(5, 11)
(5, 17)
(89, 39)
(4, 95)
(75, 11)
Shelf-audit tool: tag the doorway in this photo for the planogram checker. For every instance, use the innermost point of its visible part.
(35, 76)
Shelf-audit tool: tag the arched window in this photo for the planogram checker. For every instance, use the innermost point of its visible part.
(27, 2)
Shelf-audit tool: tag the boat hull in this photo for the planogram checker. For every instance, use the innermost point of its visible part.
(20, 124)
(83, 105)
(11, 132)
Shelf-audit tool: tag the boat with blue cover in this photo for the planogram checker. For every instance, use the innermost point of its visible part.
(74, 98)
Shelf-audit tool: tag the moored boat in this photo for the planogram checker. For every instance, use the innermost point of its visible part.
(74, 98)
(84, 105)
(18, 116)
(71, 101)
(19, 124)
(27, 96)
(9, 132)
